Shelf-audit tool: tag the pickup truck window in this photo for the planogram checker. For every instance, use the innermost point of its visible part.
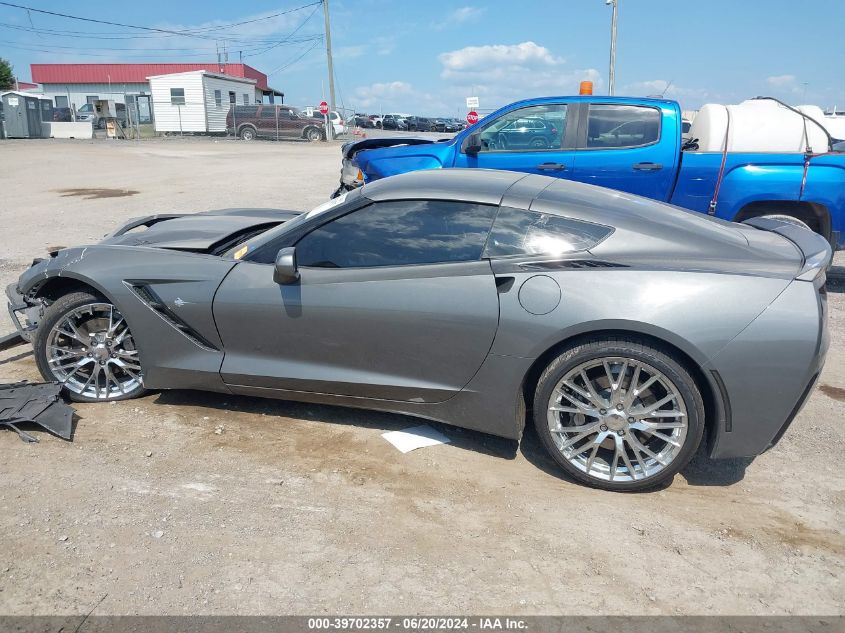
(622, 126)
(536, 128)
(520, 232)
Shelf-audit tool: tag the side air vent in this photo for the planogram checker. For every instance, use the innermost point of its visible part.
(572, 263)
(154, 302)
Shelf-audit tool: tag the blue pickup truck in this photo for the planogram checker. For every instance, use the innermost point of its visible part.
(629, 144)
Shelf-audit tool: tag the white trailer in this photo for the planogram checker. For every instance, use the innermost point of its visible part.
(197, 101)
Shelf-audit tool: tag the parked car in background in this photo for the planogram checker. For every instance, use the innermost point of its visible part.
(338, 124)
(419, 124)
(376, 120)
(632, 145)
(62, 115)
(88, 112)
(394, 122)
(360, 120)
(272, 121)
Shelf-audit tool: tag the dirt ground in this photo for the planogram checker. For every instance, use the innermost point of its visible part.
(192, 503)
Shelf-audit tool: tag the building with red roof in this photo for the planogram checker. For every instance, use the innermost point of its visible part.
(74, 85)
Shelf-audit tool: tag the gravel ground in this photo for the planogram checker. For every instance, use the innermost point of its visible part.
(186, 503)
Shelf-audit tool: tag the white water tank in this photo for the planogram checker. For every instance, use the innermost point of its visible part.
(756, 125)
(835, 125)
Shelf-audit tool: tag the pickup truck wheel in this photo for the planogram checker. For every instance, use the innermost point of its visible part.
(789, 220)
(247, 134)
(313, 134)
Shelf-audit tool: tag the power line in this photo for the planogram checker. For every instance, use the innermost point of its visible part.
(293, 61)
(185, 32)
(291, 34)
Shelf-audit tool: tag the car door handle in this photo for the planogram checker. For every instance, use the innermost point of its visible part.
(647, 166)
(551, 167)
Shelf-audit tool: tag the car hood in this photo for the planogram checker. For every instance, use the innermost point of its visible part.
(207, 232)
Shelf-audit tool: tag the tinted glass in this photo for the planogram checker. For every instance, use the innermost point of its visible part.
(268, 113)
(535, 128)
(399, 233)
(622, 126)
(519, 232)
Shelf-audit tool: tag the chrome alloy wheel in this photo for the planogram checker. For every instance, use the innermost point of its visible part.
(91, 351)
(617, 419)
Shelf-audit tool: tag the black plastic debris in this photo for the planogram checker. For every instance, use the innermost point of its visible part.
(38, 403)
(11, 340)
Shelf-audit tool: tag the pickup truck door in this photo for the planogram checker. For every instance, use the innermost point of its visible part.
(631, 148)
(537, 139)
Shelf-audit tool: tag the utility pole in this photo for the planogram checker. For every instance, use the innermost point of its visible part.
(611, 77)
(329, 124)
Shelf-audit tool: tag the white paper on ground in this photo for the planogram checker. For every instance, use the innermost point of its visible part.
(415, 437)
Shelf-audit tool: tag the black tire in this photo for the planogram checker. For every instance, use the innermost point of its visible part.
(248, 133)
(313, 134)
(664, 362)
(57, 310)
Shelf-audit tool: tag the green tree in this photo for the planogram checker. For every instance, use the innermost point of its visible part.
(7, 77)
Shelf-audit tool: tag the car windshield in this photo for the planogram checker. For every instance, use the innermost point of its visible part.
(86, 108)
(240, 250)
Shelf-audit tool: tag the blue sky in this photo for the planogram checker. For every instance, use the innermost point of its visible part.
(426, 56)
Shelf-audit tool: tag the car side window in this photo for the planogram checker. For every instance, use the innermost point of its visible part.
(399, 233)
(622, 126)
(535, 128)
(521, 232)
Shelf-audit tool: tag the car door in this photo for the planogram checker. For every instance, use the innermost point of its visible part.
(624, 147)
(506, 143)
(393, 302)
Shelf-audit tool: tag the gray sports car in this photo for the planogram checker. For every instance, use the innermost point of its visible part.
(626, 329)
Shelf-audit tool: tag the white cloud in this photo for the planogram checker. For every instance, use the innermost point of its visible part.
(460, 16)
(501, 73)
(399, 96)
(783, 82)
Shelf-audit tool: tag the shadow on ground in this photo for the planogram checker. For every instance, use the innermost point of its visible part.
(701, 471)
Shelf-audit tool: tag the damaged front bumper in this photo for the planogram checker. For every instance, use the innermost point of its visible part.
(351, 177)
(24, 316)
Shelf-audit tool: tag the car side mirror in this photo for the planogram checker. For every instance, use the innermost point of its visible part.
(285, 270)
(473, 144)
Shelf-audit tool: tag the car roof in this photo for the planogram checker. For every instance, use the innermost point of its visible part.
(484, 186)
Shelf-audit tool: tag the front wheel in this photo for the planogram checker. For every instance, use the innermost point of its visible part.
(85, 343)
(313, 134)
(619, 414)
(247, 134)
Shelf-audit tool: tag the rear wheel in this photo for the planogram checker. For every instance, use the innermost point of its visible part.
(247, 134)
(85, 343)
(618, 414)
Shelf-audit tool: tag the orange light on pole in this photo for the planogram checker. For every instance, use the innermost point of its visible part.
(586, 88)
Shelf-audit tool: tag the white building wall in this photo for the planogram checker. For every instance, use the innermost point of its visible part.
(179, 118)
(216, 115)
(78, 93)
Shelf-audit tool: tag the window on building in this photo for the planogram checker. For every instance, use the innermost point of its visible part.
(232, 98)
(61, 102)
(218, 98)
(177, 96)
(246, 99)
(92, 99)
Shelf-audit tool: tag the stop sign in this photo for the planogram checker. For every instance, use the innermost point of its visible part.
(472, 117)
(324, 107)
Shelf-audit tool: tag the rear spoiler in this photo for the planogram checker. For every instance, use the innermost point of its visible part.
(818, 255)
